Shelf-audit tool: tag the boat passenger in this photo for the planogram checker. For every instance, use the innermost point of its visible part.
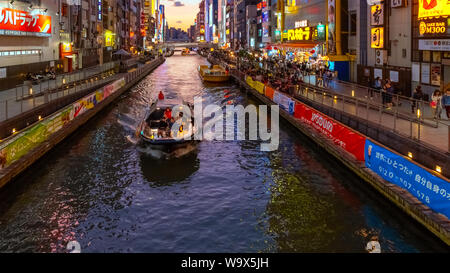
(162, 128)
(168, 113)
(161, 95)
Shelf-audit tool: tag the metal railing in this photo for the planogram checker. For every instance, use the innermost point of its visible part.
(27, 97)
(132, 75)
(371, 110)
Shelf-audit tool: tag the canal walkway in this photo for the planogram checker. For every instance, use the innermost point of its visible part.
(370, 110)
(403, 106)
(357, 101)
(23, 98)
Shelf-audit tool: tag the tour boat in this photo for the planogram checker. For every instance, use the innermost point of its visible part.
(185, 52)
(214, 74)
(157, 135)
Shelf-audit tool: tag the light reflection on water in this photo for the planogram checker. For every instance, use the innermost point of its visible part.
(97, 188)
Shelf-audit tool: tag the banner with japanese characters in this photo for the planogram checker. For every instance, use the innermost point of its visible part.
(259, 86)
(30, 138)
(341, 135)
(430, 189)
(23, 23)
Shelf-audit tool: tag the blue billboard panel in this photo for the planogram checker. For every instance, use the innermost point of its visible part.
(431, 190)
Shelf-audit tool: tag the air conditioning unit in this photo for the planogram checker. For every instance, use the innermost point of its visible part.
(380, 57)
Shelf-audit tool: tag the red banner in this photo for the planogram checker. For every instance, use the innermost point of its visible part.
(13, 22)
(340, 134)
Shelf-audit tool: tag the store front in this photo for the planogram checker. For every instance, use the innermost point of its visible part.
(67, 56)
(431, 46)
(27, 41)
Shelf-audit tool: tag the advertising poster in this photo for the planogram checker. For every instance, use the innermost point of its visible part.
(107, 91)
(23, 23)
(259, 86)
(342, 136)
(436, 74)
(428, 188)
(331, 26)
(249, 81)
(269, 92)
(30, 138)
(433, 8)
(425, 73)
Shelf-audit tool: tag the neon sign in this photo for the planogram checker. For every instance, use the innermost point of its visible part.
(432, 27)
(22, 23)
(299, 34)
(433, 8)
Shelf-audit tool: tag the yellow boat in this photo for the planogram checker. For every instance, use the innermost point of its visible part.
(214, 74)
(185, 52)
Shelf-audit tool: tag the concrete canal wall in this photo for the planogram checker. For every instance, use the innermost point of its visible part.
(420, 192)
(22, 149)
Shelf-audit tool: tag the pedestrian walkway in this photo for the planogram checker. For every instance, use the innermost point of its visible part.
(24, 98)
(403, 105)
(437, 137)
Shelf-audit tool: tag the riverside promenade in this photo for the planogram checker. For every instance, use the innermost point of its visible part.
(408, 198)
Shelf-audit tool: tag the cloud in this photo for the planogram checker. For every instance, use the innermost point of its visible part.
(178, 4)
(179, 22)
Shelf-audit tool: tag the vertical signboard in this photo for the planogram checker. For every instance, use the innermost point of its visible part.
(331, 27)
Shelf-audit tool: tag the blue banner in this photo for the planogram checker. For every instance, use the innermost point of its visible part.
(428, 188)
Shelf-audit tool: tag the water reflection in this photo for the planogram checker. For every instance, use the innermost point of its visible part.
(165, 172)
(227, 196)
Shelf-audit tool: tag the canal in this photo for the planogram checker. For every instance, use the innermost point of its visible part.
(99, 189)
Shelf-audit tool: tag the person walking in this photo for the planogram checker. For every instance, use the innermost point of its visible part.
(446, 102)
(389, 89)
(436, 104)
(417, 96)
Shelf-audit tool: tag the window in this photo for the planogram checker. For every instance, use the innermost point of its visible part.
(352, 23)
(20, 52)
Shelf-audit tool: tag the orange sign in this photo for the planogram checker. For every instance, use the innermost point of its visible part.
(434, 8)
(377, 37)
(65, 49)
(22, 23)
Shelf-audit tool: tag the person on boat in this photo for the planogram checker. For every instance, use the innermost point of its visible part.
(162, 128)
(160, 95)
(374, 245)
(168, 113)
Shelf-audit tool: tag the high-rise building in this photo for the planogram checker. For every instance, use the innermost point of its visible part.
(200, 23)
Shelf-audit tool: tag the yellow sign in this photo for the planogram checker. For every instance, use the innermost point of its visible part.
(109, 38)
(299, 34)
(377, 37)
(377, 15)
(432, 28)
(433, 8)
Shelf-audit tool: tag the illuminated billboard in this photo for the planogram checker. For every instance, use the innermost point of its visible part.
(22, 23)
(433, 8)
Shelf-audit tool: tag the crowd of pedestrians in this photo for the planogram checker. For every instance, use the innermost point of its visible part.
(282, 73)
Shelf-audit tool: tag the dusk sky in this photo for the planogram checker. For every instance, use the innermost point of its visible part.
(180, 13)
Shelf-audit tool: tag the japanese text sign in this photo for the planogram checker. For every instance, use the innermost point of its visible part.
(377, 15)
(18, 22)
(433, 8)
(428, 188)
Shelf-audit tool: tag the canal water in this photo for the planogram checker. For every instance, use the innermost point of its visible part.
(99, 189)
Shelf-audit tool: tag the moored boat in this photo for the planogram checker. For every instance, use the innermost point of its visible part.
(185, 52)
(214, 74)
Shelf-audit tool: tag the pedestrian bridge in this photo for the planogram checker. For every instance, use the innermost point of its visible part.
(181, 44)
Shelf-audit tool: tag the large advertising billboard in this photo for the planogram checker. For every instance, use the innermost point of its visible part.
(430, 189)
(433, 8)
(341, 135)
(22, 23)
